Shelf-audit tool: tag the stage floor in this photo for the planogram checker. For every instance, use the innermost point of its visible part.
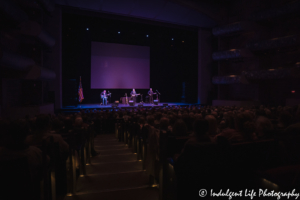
(109, 106)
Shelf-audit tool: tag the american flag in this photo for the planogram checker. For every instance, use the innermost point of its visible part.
(80, 91)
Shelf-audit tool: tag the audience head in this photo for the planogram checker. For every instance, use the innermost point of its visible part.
(150, 120)
(263, 126)
(164, 123)
(212, 121)
(17, 133)
(201, 127)
(179, 128)
(42, 122)
(285, 119)
(245, 125)
(68, 123)
(57, 125)
(78, 122)
(198, 116)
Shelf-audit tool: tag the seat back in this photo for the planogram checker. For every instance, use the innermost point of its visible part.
(16, 181)
(176, 144)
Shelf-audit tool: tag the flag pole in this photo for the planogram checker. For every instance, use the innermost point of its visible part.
(80, 92)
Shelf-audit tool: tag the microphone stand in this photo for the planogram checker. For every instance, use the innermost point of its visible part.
(109, 95)
(141, 99)
(158, 96)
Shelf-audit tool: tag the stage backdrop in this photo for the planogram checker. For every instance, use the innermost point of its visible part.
(173, 63)
(119, 66)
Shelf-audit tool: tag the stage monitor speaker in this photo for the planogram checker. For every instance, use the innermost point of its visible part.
(165, 104)
(131, 103)
(155, 102)
(116, 103)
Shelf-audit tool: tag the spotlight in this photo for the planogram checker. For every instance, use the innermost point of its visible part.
(293, 91)
(87, 29)
(172, 38)
(147, 35)
(119, 32)
(182, 41)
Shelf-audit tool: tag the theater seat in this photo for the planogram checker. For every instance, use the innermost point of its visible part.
(16, 181)
(286, 177)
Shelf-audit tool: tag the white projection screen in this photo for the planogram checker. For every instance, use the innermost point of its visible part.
(119, 66)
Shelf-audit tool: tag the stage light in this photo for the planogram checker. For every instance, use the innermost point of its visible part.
(293, 91)
(119, 32)
(87, 29)
(172, 38)
(147, 35)
(182, 41)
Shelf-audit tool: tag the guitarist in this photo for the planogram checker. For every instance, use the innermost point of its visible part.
(151, 93)
(133, 95)
(104, 96)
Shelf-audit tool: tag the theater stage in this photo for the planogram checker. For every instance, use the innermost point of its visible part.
(110, 106)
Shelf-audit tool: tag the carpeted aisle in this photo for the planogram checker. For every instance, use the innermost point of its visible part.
(113, 174)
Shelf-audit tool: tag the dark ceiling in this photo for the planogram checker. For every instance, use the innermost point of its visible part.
(201, 13)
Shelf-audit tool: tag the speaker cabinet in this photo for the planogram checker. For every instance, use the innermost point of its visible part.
(155, 102)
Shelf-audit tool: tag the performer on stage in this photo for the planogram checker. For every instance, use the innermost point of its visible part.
(104, 96)
(150, 93)
(133, 95)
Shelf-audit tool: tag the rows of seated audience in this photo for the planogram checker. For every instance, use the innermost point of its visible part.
(209, 147)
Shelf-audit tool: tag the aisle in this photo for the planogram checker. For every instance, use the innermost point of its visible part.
(114, 174)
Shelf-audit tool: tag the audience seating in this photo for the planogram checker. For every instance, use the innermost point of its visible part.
(16, 180)
(178, 169)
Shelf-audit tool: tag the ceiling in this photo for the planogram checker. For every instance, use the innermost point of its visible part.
(180, 12)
